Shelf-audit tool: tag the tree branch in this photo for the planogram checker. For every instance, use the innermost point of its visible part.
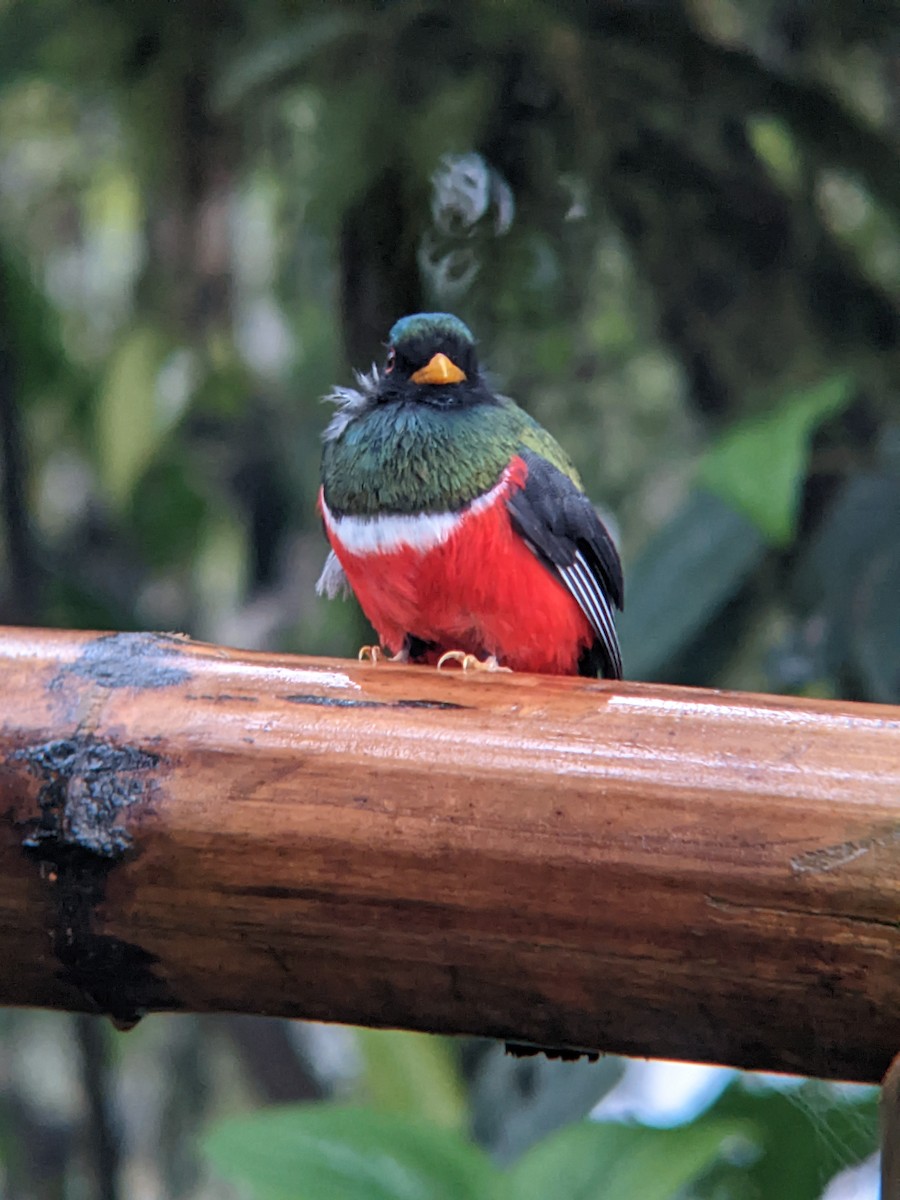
(622, 867)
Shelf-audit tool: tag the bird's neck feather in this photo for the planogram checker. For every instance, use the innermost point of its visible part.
(409, 458)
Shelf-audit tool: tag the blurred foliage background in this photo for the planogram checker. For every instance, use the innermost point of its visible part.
(673, 225)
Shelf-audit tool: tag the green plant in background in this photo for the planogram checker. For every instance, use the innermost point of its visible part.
(746, 503)
(758, 467)
(761, 1143)
(759, 1140)
(358, 1154)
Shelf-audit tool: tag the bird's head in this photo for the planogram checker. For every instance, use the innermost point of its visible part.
(431, 358)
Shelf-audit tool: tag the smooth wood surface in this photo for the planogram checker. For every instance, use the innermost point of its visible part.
(573, 863)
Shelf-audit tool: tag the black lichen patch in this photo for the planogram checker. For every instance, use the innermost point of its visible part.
(349, 702)
(87, 784)
(116, 976)
(130, 660)
(87, 788)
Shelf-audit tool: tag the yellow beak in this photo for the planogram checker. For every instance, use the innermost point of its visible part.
(440, 370)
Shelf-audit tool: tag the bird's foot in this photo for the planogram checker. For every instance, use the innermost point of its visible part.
(469, 662)
(377, 654)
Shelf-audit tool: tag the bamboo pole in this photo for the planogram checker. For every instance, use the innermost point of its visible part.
(568, 863)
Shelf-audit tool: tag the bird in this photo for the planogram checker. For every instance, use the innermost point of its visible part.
(458, 521)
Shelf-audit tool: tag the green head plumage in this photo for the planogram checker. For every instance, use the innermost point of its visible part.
(430, 327)
(414, 342)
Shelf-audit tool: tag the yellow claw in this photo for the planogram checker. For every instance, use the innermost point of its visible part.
(469, 662)
(376, 654)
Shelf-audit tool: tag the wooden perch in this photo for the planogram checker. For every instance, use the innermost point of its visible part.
(570, 863)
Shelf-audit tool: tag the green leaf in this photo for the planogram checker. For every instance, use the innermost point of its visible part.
(413, 1073)
(331, 1152)
(129, 423)
(599, 1161)
(804, 1135)
(849, 576)
(220, 567)
(31, 329)
(774, 143)
(687, 573)
(758, 466)
(168, 511)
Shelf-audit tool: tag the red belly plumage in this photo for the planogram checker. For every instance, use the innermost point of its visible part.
(481, 590)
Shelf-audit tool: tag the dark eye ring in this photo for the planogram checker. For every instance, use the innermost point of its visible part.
(391, 359)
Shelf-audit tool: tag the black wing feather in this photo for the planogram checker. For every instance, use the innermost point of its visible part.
(562, 527)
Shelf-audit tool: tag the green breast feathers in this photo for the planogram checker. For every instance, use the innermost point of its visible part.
(396, 457)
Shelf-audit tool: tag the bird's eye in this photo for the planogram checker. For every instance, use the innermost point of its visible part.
(391, 359)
